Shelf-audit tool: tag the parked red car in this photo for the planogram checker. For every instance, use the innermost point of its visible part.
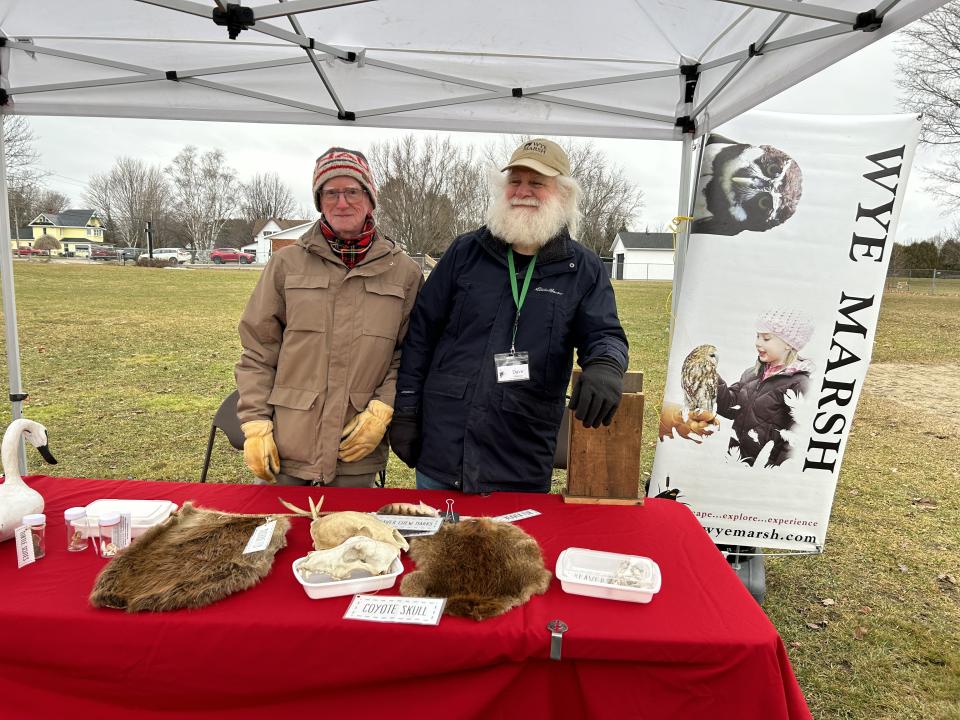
(26, 251)
(103, 252)
(219, 256)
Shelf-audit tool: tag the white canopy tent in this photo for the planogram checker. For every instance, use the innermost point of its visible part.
(652, 69)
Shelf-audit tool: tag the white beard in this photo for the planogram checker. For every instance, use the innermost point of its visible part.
(513, 223)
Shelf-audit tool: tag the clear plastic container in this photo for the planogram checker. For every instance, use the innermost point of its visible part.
(108, 544)
(144, 514)
(38, 532)
(74, 520)
(614, 576)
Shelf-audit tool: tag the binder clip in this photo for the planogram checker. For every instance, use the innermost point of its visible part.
(450, 516)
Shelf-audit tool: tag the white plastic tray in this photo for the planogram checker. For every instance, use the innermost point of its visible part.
(591, 573)
(335, 588)
(144, 514)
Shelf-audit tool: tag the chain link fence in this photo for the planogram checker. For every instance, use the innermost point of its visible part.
(924, 281)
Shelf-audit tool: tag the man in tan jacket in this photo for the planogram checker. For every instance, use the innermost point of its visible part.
(321, 336)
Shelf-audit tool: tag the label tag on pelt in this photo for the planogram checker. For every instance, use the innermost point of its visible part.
(260, 538)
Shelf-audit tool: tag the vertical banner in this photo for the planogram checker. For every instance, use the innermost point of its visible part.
(794, 226)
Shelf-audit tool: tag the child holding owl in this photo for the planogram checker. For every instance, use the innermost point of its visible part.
(757, 402)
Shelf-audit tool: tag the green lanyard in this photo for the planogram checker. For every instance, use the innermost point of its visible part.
(518, 298)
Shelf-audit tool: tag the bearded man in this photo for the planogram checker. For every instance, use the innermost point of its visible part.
(487, 359)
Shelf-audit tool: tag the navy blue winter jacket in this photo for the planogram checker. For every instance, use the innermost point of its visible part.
(480, 435)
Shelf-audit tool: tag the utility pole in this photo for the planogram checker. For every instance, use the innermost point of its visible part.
(150, 239)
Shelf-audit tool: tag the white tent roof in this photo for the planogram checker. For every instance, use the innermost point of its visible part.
(606, 68)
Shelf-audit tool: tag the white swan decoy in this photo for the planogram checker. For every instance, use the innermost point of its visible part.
(16, 498)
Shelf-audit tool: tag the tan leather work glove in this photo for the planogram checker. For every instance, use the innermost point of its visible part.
(259, 451)
(365, 431)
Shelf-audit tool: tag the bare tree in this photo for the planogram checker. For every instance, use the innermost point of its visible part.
(23, 171)
(127, 196)
(429, 191)
(30, 199)
(21, 155)
(204, 195)
(609, 201)
(267, 196)
(930, 77)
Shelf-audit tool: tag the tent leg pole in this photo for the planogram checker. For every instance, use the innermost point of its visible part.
(683, 208)
(10, 304)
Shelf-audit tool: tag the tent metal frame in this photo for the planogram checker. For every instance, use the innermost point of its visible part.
(682, 127)
(844, 22)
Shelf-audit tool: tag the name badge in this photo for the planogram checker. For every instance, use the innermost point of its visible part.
(512, 366)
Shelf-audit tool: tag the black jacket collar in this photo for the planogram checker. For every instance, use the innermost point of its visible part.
(559, 248)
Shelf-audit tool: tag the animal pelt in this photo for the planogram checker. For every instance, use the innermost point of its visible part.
(191, 560)
(483, 568)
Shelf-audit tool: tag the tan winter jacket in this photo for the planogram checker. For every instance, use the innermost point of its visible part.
(319, 342)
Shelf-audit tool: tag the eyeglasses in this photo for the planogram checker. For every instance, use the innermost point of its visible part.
(332, 197)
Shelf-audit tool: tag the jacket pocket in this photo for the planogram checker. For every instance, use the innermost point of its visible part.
(306, 299)
(542, 411)
(382, 308)
(360, 400)
(295, 422)
(452, 386)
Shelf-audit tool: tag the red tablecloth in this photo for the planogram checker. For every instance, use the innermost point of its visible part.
(701, 648)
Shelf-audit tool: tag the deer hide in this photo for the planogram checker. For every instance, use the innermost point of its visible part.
(482, 567)
(191, 560)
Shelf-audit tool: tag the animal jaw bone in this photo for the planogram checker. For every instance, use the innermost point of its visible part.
(421, 510)
(354, 557)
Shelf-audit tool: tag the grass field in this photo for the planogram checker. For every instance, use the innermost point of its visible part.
(127, 365)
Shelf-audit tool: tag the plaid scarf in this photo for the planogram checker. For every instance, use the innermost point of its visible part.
(351, 252)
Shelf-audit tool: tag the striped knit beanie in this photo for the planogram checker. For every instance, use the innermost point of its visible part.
(340, 162)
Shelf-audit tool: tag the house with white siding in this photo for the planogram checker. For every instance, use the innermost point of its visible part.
(642, 256)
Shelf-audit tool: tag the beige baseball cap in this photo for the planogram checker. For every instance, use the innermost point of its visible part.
(541, 155)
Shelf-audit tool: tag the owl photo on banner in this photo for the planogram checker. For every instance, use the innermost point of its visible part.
(744, 187)
(764, 402)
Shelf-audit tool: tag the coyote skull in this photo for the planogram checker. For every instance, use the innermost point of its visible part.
(355, 557)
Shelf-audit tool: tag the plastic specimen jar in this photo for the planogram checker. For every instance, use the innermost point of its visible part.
(38, 533)
(73, 520)
(109, 524)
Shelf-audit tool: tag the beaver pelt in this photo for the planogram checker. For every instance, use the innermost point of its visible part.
(483, 568)
(192, 559)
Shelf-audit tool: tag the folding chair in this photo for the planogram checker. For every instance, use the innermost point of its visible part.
(226, 419)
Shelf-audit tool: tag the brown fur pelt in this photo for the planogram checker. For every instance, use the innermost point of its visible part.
(481, 566)
(191, 560)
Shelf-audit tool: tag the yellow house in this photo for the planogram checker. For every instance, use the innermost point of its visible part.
(76, 230)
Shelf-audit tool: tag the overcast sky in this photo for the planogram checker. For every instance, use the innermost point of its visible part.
(74, 148)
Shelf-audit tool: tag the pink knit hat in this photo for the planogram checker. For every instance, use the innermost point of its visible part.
(340, 162)
(792, 326)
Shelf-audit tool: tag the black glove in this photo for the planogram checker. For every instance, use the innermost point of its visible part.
(405, 436)
(596, 396)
